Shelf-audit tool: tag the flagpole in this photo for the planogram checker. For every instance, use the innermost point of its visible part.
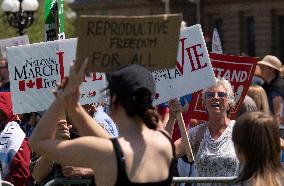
(198, 10)
(167, 6)
(198, 14)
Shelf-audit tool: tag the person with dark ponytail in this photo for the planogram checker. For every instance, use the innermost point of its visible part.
(142, 155)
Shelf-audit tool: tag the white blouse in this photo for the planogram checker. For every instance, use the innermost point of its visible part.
(215, 158)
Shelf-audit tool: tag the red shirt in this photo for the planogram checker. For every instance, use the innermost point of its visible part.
(19, 174)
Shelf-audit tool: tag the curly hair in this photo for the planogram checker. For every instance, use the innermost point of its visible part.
(227, 85)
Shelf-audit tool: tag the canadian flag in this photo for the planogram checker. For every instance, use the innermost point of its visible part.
(30, 84)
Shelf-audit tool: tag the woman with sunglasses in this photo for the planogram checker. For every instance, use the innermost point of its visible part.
(212, 141)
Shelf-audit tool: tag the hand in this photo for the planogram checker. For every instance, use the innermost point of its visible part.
(174, 107)
(70, 171)
(71, 85)
(186, 105)
(63, 130)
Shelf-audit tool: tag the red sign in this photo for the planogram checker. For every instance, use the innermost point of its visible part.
(238, 70)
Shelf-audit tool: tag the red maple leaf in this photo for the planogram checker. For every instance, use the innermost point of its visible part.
(30, 84)
(92, 93)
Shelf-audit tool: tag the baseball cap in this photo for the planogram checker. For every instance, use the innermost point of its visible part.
(127, 80)
(271, 61)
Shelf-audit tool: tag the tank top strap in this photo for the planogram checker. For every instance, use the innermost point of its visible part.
(169, 138)
(173, 165)
(121, 174)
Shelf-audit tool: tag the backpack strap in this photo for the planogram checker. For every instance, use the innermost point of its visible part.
(199, 136)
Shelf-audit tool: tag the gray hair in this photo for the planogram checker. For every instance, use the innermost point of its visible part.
(227, 85)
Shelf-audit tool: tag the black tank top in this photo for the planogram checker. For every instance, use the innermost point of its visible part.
(122, 178)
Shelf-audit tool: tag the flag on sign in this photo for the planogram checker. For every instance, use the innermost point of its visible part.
(24, 84)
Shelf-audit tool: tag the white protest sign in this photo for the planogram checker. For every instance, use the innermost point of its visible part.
(216, 43)
(13, 41)
(34, 70)
(193, 70)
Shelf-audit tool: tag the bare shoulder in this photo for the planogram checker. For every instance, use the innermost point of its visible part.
(161, 140)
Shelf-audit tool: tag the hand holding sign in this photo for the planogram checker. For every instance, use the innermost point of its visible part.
(175, 112)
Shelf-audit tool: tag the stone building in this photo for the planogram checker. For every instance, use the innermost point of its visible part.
(252, 27)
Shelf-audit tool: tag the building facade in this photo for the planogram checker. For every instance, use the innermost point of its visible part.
(247, 27)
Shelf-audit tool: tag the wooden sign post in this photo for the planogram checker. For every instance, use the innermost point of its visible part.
(184, 137)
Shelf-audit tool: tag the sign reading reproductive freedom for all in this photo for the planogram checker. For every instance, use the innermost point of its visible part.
(34, 70)
(238, 70)
(110, 42)
(193, 70)
(14, 41)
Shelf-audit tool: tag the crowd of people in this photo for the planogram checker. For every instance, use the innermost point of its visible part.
(135, 143)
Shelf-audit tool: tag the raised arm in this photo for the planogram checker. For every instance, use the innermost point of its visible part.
(89, 151)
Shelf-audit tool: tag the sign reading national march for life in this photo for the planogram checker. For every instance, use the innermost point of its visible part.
(34, 70)
(193, 70)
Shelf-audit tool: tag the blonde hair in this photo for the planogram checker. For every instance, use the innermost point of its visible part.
(256, 139)
(257, 93)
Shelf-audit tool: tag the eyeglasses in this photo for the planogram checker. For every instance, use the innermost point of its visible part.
(210, 95)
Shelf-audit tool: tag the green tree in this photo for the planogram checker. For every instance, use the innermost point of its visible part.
(36, 30)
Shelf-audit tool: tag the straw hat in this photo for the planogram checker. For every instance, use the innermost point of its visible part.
(271, 61)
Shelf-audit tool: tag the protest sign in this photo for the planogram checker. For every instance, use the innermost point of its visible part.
(193, 69)
(110, 42)
(34, 70)
(14, 41)
(237, 70)
(61, 34)
(193, 72)
(216, 42)
(54, 20)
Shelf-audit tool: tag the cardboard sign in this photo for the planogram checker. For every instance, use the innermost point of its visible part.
(14, 41)
(34, 70)
(237, 70)
(111, 42)
(193, 70)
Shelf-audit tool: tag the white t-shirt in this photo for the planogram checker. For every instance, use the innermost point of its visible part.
(106, 122)
(215, 158)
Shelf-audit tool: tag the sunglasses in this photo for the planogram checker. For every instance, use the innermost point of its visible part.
(210, 95)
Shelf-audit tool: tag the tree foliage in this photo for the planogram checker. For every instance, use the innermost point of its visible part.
(36, 30)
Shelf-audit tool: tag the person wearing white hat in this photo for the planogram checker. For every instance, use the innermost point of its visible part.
(273, 86)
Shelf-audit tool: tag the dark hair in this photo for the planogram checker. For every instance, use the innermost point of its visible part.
(139, 103)
(256, 139)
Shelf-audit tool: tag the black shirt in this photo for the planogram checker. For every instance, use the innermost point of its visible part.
(122, 178)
